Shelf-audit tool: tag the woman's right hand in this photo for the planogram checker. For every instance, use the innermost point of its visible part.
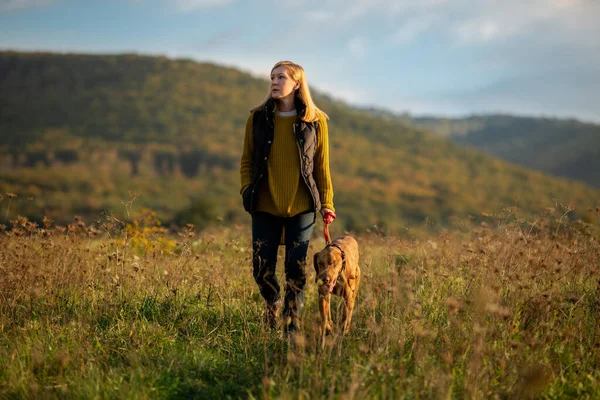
(328, 215)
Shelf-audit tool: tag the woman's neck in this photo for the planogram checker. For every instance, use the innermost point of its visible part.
(285, 104)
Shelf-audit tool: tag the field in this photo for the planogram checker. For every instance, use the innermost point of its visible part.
(505, 308)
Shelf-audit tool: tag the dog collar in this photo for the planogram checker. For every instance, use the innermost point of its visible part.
(343, 257)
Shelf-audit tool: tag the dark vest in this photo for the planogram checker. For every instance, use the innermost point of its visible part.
(263, 131)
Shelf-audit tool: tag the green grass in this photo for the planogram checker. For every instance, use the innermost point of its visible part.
(507, 310)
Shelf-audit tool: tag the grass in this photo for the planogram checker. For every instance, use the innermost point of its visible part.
(504, 309)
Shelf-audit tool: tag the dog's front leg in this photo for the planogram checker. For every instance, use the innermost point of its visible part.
(325, 309)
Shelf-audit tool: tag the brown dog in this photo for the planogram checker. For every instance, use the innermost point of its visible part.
(337, 272)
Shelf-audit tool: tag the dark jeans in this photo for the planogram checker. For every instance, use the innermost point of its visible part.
(266, 235)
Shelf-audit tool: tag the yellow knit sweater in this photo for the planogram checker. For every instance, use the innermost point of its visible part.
(285, 194)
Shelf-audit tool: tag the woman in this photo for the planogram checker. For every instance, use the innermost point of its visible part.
(285, 181)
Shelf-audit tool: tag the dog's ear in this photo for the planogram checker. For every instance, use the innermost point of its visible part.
(316, 265)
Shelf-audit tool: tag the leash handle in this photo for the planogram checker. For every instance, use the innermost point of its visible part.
(326, 233)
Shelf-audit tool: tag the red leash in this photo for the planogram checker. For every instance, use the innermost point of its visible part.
(327, 219)
(326, 233)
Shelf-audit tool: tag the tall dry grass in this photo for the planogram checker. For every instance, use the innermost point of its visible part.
(506, 308)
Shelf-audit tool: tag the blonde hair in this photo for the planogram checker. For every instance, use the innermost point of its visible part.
(296, 72)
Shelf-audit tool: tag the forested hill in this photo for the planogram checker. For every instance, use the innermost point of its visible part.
(85, 134)
(567, 148)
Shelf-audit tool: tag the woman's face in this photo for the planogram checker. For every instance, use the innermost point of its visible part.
(282, 84)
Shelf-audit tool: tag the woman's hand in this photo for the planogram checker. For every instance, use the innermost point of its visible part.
(328, 215)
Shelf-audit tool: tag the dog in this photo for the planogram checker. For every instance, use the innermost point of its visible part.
(337, 272)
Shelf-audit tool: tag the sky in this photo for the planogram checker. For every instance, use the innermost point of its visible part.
(451, 58)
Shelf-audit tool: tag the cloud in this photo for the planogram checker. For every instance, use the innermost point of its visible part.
(439, 45)
(192, 5)
(541, 20)
(320, 16)
(412, 29)
(358, 8)
(358, 47)
(12, 5)
(551, 94)
(460, 22)
(479, 31)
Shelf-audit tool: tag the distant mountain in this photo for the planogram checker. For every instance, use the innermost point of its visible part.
(86, 134)
(566, 148)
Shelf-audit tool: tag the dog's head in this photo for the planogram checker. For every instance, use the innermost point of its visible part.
(328, 265)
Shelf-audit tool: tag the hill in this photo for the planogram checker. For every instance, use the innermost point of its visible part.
(566, 148)
(85, 134)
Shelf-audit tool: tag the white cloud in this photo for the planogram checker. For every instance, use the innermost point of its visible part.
(320, 16)
(11, 5)
(479, 31)
(191, 5)
(358, 47)
(474, 41)
(564, 4)
(461, 22)
(358, 8)
(412, 29)
(543, 20)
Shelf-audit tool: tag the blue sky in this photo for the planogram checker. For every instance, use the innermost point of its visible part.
(440, 57)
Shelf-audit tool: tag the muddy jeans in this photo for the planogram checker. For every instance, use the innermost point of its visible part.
(266, 235)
